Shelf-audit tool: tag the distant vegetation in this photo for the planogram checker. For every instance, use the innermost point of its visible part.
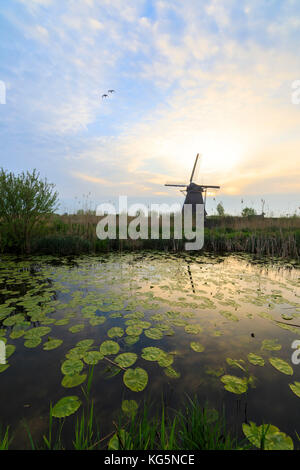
(28, 224)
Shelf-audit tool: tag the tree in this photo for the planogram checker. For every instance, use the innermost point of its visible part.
(25, 200)
(220, 210)
(248, 211)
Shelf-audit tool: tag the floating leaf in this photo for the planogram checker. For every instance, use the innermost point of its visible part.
(85, 343)
(165, 360)
(109, 347)
(76, 328)
(38, 332)
(235, 384)
(172, 373)
(97, 320)
(130, 340)
(152, 353)
(255, 359)
(198, 347)
(271, 345)
(236, 363)
(269, 435)
(295, 387)
(130, 407)
(126, 359)
(154, 333)
(281, 365)
(3, 367)
(72, 367)
(32, 343)
(134, 331)
(115, 332)
(70, 381)
(52, 344)
(193, 329)
(135, 379)
(92, 357)
(66, 406)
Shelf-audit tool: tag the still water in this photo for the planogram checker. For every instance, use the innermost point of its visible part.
(220, 323)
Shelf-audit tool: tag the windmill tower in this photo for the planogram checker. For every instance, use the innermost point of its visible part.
(194, 192)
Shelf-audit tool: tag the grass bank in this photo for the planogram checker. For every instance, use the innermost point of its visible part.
(76, 234)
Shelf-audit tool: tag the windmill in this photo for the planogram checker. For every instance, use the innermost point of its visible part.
(194, 192)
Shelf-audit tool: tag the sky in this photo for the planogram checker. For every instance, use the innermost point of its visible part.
(216, 77)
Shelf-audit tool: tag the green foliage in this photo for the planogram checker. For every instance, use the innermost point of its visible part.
(220, 210)
(248, 212)
(25, 201)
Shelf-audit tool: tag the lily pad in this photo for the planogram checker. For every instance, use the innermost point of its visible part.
(52, 344)
(172, 373)
(109, 347)
(271, 345)
(273, 438)
(76, 328)
(130, 407)
(126, 359)
(152, 353)
(198, 347)
(154, 333)
(115, 332)
(255, 359)
(92, 357)
(32, 343)
(295, 387)
(235, 384)
(193, 329)
(66, 406)
(281, 365)
(134, 331)
(72, 366)
(135, 379)
(70, 381)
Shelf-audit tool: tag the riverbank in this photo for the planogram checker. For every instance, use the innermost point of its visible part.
(76, 234)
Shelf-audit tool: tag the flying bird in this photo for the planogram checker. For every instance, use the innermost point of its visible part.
(104, 96)
(111, 91)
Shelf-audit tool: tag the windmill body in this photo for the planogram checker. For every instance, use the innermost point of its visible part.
(194, 192)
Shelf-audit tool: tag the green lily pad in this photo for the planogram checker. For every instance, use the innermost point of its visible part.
(198, 347)
(295, 387)
(152, 353)
(236, 363)
(76, 328)
(3, 367)
(172, 373)
(255, 359)
(165, 360)
(66, 406)
(37, 332)
(193, 329)
(126, 359)
(281, 365)
(130, 407)
(273, 438)
(271, 345)
(32, 343)
(135, 379)
(235, 384)
(72, 366)
(70, 381)
(154, 333)
(52, 344)
(130, 340)
(9, 350)
(85, 343)
(134, 331)
(115, 332)
(109, 347)
(97, 320)
(92, 357)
